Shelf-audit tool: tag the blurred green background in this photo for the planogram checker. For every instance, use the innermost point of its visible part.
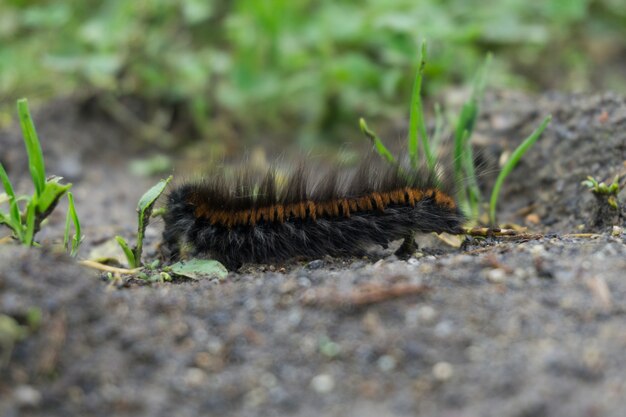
(301, 68)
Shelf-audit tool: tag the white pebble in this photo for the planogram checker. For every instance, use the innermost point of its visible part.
(386, 363)
(27, 396)
(496, 275)
(323, 383)
(442, 371)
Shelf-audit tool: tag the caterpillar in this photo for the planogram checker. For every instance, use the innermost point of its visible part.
(250, 219)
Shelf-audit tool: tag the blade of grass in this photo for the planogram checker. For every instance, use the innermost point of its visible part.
(378, 144)
(511, 163)
(417, 127)
(130, 256)
(14, 219)
(30, 222)
(66, 233)
(436, 138)
(473, 190)
(33, 147)
(71, 214)
(144, 211)
(459, 177)
(464, 171)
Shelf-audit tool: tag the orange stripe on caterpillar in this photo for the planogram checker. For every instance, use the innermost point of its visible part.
(375, 201)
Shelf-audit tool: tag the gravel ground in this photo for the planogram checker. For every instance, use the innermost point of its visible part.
(525, 327)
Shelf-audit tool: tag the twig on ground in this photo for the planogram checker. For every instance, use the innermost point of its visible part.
(107, 268)
(361, 295)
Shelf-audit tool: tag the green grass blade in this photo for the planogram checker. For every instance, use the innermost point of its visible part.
(31, 214)
(481, 79)
(435, 141)
(511, 163)
(52, 193)
(459, 177)
(473, 190)
(14, 221)
(417, 125)
(416, 118)
(33, 147)
(71, 214)
(66, 233)
(144, 211)
(464, 171)
(462, 134)
(378, 144)
(130, 256)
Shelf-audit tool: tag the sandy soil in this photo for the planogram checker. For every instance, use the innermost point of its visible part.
(532, 327)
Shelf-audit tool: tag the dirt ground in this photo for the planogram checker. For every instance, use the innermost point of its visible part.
(531, 327)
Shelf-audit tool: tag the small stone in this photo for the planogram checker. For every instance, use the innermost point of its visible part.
(329, 348)
(323, 383)
(386, 363)
(304, 282)
(255, 397)
(533, 219)
(194, 377)
(27, 396)
(617, 231)
(442, 371)
(268, 380)
(316, 264)
(444, 329)
(413, 261)
(426, 314)
(538, 250)
(496, 275)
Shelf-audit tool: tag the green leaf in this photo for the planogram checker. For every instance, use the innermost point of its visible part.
(33, 147)
(14, 220)
(31, 214)
(73, 216)
(378, 144)
(417, 126)
(130, 256)
(144, 210)
(200, 269)
(52, 193)
(146, 202)
(511, 163)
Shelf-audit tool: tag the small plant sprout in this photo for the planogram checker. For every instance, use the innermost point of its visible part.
(378, 144)
(510, 164)
(417, 126)
(469, 195)
(72, 217)
(602, 190)
(25, 221)
(144, 211)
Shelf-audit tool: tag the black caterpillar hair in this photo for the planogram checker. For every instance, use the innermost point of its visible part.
(247, 220)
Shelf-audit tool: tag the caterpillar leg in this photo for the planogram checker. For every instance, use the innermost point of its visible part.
(408, 247)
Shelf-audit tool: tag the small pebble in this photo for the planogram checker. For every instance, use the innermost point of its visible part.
(323, 383)
(413, 261)
(194, 377)
(426, 314)
(444, 329)
(27, 396)
(268, 380)
(496, 275)
(316, 264)
(442, 371)
(386, 363)
(304, 282)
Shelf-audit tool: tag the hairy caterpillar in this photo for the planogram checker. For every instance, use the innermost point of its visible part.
(257, 220)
